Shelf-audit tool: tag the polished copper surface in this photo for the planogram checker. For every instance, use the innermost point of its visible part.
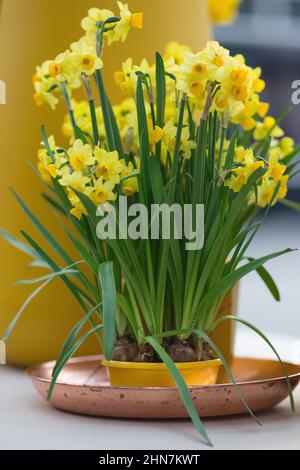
(83, 388)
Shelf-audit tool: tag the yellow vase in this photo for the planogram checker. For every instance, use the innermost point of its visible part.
(31, 31)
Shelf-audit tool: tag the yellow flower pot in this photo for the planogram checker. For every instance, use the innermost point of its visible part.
(135, 374)
(31, 31)
(224, 334)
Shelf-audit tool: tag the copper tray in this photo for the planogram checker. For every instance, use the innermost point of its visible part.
(84, 388)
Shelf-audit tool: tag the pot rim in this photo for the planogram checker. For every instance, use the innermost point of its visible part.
(160, 366)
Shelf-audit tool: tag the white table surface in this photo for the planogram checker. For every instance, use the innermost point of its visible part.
(28, 423)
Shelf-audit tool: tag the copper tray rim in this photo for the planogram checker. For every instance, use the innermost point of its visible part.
(31, 373)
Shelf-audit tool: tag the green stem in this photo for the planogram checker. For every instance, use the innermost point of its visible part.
(64, 90)
(105, 111)
(223, 136)
(91, 101)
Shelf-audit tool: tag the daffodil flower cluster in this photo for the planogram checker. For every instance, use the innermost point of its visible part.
(93, 172)
(267, 191)
(83, 56)
(235, 86)
(212, 81)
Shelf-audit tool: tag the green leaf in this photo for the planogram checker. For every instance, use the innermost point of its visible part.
(56, 205)
(16, 243)
(71, 339)
(225, 284)
(266, 147)
(22, 309)
(105, 112)
(115, 130)
(184, 392)
(89, 206)
(79, 134)
(92, 221)
(218, 238)
(206, 338)
(268, 280)
(37, 280)
(200, 164)
(60, 192)
(57, 247)
(68, 355)
(157, 183)
(76, 291)
(109, 302)
(94, 122)
(160, 90)
(144, 142)
(84, 253)
(231, 148)
(288, 158)
(43, 231)
(46, 143)
(291, 204)
(261, 334)
(30, 298)
(175, 163)
(39, 264)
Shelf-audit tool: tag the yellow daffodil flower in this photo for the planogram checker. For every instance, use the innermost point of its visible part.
(42, 95)
(46, 166)
(187, 145)
(266, 191)
(76, 180)
(95, 15)
(263, 128)
(128, 20)
(241, 174)
(81, 155)
(176, 51)
(103, 191)
(84, 57)
(130, 186)
(127, 78)
(276, 170)
(109, 167)
(286, 146)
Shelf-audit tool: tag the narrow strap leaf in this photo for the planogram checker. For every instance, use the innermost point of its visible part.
(46, 143)
(71, 339)
(231, 279)
(268, 280)
(16, 243)
(68, 356)
(160, 90)
(43, 231)
(291, 204)
(263, 336)
(206, 338)
(37, 280)
(184, 392)
(29, 299)
(109, 302)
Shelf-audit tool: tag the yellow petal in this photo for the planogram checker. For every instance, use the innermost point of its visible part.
(137, 20)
